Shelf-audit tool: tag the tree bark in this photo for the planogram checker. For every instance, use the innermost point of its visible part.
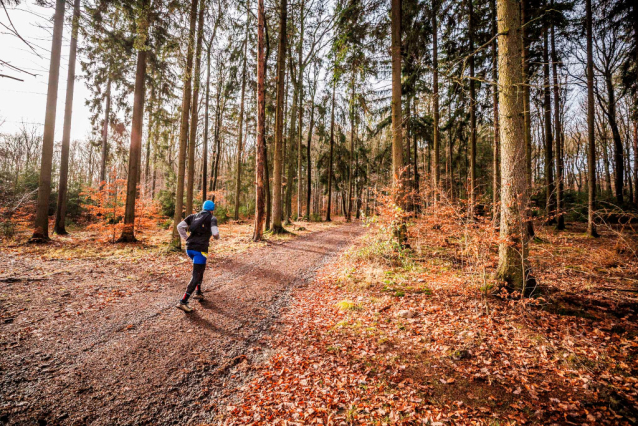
(105, 133)
(207, 108)
(472, 112)
(591, 142)
(436, 172)
(351, 152)
(194, 115)
(618, 147)
(513, 267)
(135, 151)
(206, 112)
(549, 143)
(301, 109)
(636, 163)
(279, 119)
(397, 122)
(332, 142)
(308, 141)
(415, 158)
(60, 215)
(496, 176)
(560, 219)
(220, 106)
(183, 135)
(149, 136)
(41, 225)
(299, 156)
(241, 117)
(291, 143)
(261, 172)
(526, 114)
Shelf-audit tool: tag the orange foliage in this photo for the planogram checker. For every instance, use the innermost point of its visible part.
(106, 207)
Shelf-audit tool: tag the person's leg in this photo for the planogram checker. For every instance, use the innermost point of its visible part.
(199, 266)
(198, 275)
(198, 288)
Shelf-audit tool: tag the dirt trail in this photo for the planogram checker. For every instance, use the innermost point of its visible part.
(139, 360)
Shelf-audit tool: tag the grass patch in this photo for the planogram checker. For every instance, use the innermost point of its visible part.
(348, 305)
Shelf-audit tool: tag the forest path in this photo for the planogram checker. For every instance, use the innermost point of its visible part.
(138, 359)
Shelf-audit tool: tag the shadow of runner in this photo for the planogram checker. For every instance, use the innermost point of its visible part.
(199, 321)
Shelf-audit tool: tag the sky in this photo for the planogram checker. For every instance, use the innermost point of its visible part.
(25, 101)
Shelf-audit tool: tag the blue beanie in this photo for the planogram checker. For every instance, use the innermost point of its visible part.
(209, 205)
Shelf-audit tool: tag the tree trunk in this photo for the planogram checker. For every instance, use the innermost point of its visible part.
(105, 133)
(219, 110)
(496, 177)
(308, 141)
(149, 136)
(513, 267)
(207, 108)
(415, 160)
(206, 112)
(618, 148)
(549, 155)
(194, 115)
(298, 136)
(436, 172)
(560, 219)
(241, 116)
(267, 189)
(351, 152)
(261, 172)
(60, 214)
(290, 141)
(636, 164)
(183, 134)
(332, 142)
(135, 152)
(472, 112)
(526, 114)
(279, 119)
(397, 122)
(408, 147)
(41, 225)
(591, 141)
(301, 109)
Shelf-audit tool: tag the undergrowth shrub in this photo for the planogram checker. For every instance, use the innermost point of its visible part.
(7, 228)
(166, 201)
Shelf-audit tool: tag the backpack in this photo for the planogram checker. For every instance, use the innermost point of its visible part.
(200, 224)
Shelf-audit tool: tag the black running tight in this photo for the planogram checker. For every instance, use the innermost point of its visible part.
(196, 280)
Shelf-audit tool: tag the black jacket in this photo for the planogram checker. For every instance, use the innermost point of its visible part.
(200, 225)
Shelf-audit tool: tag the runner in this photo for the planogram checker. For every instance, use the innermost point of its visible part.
(201, 226)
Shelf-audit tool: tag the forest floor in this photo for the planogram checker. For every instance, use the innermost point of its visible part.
(290, 333)
(89, 332)
(421, 336)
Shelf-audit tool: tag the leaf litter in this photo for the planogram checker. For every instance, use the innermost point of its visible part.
(424, 336)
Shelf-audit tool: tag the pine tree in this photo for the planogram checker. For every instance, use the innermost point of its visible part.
(60, 215)
(277, 212)
(135, 151)
(261, 172)
(194, 114)
(184, 122)
(591, 142)
(41, 225)
(513, 266)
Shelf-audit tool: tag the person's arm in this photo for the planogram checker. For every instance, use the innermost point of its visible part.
(214, 230)
(181, 229)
